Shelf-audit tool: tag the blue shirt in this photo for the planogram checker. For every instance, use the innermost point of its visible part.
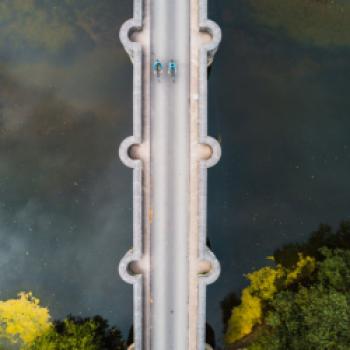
(157, 65)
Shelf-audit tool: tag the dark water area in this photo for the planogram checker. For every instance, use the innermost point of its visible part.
(280, 107)
(65, 198)
(278, 103)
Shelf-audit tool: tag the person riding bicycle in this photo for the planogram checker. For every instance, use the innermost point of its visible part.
(172, 69)
(157, 68)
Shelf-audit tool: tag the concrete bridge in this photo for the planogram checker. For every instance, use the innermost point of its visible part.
(170, 264)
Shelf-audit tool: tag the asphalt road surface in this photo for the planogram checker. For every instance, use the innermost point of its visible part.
(170, 161)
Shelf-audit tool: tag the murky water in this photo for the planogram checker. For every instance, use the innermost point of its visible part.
(278, 104)
(65, 203)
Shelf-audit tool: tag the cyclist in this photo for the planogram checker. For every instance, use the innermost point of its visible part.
(157, 68)
(172, 69)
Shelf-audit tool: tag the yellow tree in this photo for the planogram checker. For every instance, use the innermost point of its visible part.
(23, 319)
(264, 284)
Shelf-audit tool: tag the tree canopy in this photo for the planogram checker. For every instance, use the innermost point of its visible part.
(22, 320)
(311, 317)
(25, 325)
(301, 303)
(264, 284)
(80, 334)
(324, 236)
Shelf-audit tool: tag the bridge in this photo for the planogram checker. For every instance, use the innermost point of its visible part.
(170, 264)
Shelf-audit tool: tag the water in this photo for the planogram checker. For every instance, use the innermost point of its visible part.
(65, 203)
(278, 104)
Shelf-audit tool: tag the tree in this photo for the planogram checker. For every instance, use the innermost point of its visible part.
(75, 333)
(315, 316)
(264, 284)
(324, 236)
(26, 325)
(22, 320)
(301, 303)
(227, 304)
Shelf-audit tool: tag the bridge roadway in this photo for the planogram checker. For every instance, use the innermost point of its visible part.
(169, 264)
(170, 121)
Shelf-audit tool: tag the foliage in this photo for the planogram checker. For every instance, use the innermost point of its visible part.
(227, 304)
(80, 334)
(315, 316)
(22, 319)
(244, 317)
(324, 236)
(304, 301)
(77, 337)
(319, 22)
(264, 284)
(26, 325)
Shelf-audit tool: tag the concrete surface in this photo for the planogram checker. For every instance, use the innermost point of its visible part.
(170, 264)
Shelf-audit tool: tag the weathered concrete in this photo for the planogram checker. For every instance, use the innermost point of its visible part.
(170, 264)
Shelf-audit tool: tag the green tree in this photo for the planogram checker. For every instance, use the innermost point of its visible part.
(227, 304)
(315, 315)
(76, 333)
(324, 236)
(264, 284)
(301, 303)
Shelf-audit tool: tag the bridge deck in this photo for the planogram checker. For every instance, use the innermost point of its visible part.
(170, 152)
